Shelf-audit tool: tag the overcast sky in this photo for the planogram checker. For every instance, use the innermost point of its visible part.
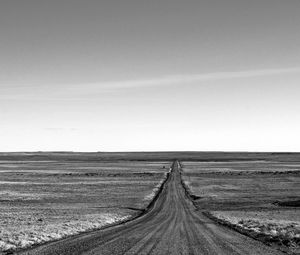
(118, 75)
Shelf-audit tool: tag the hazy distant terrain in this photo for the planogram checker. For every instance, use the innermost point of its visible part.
(151, 156)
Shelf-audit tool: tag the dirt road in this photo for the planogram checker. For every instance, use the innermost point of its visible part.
(171, 226)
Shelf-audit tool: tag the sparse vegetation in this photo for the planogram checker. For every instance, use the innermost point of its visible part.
(48, 200)
(257, 198)
(280, 228)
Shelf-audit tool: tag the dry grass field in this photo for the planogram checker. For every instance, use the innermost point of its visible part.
(49, 196)
(43, 200)
(259, 198)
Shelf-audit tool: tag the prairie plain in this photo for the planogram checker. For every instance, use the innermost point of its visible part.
(258, 198)
(44, 200)
(47, 196)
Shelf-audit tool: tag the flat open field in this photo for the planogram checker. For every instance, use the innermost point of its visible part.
(171, 225)
(49, 196)
(43, 200)
(262, 197)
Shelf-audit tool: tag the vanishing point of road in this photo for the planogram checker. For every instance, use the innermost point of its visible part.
(172, 225)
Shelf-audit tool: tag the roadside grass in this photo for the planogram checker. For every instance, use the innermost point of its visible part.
(46, 201)
(259, 198)
(39, 231)
(270, 227)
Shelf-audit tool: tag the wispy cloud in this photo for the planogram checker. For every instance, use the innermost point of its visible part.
(80, 91)
(188, 78)
(60, 129)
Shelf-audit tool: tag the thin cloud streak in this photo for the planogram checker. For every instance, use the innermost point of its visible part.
(82, 91)
(176, 79)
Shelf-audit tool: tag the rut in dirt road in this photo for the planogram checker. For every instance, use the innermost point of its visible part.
(171, 226)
